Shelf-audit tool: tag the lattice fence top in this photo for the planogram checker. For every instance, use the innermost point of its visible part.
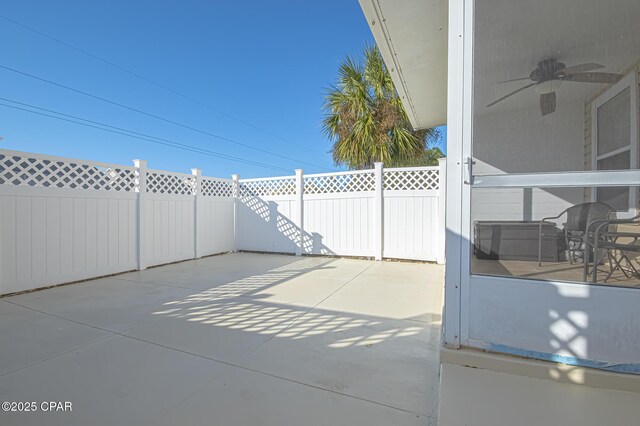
(216, 187)
(35, 170)
(160, 182)
(329, 184)
(54, 173)
(416, 179)
(268, 187)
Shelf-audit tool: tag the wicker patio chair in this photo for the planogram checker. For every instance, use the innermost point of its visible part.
(578, 218)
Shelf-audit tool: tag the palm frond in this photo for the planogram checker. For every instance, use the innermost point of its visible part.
(365, 118)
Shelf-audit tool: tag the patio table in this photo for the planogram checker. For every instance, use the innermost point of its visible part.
(617, 252)
(602, 238)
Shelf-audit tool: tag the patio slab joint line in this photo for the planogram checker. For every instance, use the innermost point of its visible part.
(122, 333)
(230, 364)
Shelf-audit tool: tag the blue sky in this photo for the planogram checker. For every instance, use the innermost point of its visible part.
(266, 63)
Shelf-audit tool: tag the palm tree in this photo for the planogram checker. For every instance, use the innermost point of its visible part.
(366, 121)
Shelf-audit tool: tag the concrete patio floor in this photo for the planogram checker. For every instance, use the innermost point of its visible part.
(237, 339)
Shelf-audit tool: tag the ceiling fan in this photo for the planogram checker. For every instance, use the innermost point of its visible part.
(550, 74)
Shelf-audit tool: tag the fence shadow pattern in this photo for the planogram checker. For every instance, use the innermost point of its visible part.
(240, 305)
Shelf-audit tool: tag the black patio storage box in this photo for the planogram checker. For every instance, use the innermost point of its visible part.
(517, 240)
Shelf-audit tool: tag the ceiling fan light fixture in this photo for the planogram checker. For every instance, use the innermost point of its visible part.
(548, 76)
(549, 86)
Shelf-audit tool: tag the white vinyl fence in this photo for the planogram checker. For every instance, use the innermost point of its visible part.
(64, 220)
(379, 213)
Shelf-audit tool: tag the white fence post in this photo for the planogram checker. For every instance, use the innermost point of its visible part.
(442, 193)
(378, 221)
(236, 208)
(300, 210)
(197, 176)
(142, 194)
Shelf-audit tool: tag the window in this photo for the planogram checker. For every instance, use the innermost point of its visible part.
(615, 141)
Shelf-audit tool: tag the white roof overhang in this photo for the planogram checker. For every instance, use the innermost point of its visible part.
(412, 37)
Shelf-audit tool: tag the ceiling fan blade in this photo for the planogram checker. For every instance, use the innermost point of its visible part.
(593, 77)
(515, 79)
(547, 103)
(581, 68)
(511, 94)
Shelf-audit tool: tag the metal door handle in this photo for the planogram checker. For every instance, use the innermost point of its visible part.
(468, 170)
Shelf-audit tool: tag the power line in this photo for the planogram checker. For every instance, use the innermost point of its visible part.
(157, 117)
(155, 83)
(190, 147)
(133, 134)
(153, 140)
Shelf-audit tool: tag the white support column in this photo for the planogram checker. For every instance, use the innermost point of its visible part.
(459, 66)
(197, 215)
(142, 194)
(442, 203)
(236, 209)
(300, 210)
(378, 222)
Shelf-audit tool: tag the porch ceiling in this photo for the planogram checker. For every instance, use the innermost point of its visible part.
(511, 37)
(412, 36)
